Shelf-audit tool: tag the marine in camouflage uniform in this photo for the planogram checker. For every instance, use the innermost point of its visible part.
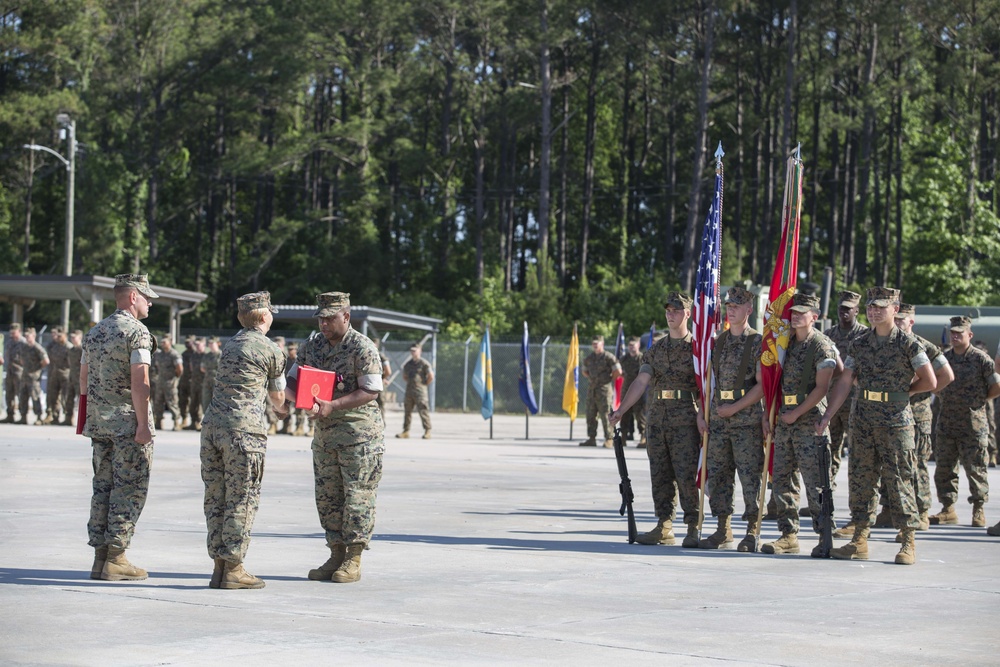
(169, 367)
(75, 358)
(298, 414)
(418, 374)
(962, 430)
(846, 330)
(35, 358)
(196, 379)
(209, 369)
(348, 445)
(184, 383)
(57, 390)
(920, 404)
(883, 362)
(119, 424)
(250, 372)
(671, 426)
(736, 438)
(14, 370)
(809, 366)
(635, 418)
(601, 369)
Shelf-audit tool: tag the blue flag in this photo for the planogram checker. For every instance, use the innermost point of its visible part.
(652, 333)
(482, 376)
(524, 378)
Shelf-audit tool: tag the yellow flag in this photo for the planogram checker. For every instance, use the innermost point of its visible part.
(571, 387)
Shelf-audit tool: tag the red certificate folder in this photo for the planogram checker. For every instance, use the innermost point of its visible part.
(314, 383)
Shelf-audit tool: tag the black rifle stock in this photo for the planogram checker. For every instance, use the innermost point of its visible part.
(625, 487)
(825, 499)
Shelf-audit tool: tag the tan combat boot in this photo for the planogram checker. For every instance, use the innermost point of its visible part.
(100, 555)
(325, 571)
(642, 443)
(857, 548)
(300, 429)
(609, 443)
(235, 577)
(946, 517)
(994, 530)
(350, 570)
(427, 435)
(220, 567)
(925, 521)
(404, 435)
(117, 567)
(722, 536)
(847, 532)
(884, 519)
(662, 534)
(271, 430)
(908, 553)
(788, 543)
(691, 540)
(747, 543)
(978, 515)
(589, 442)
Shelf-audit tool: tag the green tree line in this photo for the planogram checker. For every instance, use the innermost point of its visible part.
(496, 161)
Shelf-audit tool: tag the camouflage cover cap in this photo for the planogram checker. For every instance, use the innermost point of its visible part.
(214, 339)
(803, 303)
(961, 323)
(57, 330)
(597, 339)
(15, 326)
(849, 298)
(139, 281)
(739, 295)
(255, 301)
(882, 296)
(329, 304)
(906, 309)
(678, 300)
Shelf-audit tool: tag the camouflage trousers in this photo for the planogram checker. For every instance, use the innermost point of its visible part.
(11, 389)
(73, 396)
(634, 419)
(734, 447)
(673, 449)
(121, 482)
(970, 449)
(599, 407)
(423, 408)
(207, 387)
(194, 401)
(840, 438)
(921, 475)
(30, 389)
(347, 478)
(183, 395)
(165, 398)
(57, 394)
(882, 452)
(232, 467)
(796, 450)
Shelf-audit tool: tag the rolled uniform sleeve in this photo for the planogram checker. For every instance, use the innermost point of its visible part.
(920, 359)
(372, 383)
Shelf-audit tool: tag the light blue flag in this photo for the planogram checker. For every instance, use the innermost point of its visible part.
(482, 376)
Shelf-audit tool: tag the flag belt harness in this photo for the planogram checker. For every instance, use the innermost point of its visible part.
(674, 394)
(885, 396)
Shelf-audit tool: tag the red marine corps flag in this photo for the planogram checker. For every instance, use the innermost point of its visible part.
(777, 317)
(706, 313)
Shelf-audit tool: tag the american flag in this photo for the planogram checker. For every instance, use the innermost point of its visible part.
(619, 353)
(706, 292)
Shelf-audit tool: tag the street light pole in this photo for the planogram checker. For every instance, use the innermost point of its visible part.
(70, 125)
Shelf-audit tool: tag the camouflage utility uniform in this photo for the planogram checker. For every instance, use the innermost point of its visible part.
(75, 358)
(962, 431)
(35, 359)
(840, 436)
(234, 440)
(57, 391)
(416, 373)
(349, 444)
(165, 386)
(635, 418)
(210, 363)
(735, 444)
(672, 427)
(600, 392)
(121, 465)
(14, 372)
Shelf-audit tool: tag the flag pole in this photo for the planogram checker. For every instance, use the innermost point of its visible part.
(764, 476)
(491, 427)
(526, 413)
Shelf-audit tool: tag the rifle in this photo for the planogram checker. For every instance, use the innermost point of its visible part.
(825, 499)
(625, 487)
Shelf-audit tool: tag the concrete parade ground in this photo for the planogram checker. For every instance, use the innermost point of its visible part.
(502, 551)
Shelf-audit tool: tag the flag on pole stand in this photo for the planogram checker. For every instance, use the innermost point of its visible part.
(619, 353)
(571, 384)
(706, 315)
(777, 317)
(524, 382)
(482, 379)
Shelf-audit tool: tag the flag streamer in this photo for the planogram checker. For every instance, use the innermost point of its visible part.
(482, 376)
